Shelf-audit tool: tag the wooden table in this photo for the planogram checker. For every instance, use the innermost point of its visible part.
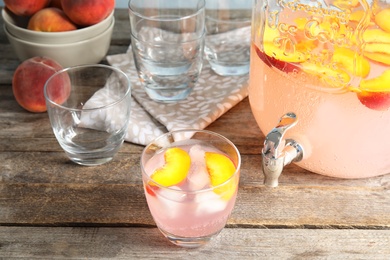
(51, 208)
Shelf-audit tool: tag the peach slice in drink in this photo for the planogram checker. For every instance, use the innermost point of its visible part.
(344, 62)
(380, 57)
(351, 62)
(376, 36)
(377, 43)
(382, 19)
(176, 167)
(375, 93)
(221, 168)
(336, 78)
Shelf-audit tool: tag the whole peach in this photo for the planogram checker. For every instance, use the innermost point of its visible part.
(50, 19)
(26, 7)
(87, 12)
(29, 80)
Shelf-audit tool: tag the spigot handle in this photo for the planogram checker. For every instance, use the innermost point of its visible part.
(278, 152)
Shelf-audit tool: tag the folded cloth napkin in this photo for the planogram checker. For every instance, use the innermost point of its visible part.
(212, 96)
(99, 114)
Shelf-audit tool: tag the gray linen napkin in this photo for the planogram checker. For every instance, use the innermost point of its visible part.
(212, 96)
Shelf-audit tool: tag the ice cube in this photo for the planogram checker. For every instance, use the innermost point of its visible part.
(154, 163)
(171, 200)
(198, 177)
(173, 193)
(209, 202)
(197, 153)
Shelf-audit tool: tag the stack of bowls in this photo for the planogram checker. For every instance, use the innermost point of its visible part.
(86, 45)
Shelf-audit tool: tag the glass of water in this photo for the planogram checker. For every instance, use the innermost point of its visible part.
(167, 39)
(89, 111)
(228, 26)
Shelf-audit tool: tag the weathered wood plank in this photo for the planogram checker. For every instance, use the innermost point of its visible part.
(55, 167)
(32, 167)
(148, 243)
(114, 203)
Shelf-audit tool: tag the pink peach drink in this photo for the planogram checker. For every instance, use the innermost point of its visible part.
(328, 62)
(191, 187)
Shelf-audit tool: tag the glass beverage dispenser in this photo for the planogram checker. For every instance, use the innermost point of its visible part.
(320, 86)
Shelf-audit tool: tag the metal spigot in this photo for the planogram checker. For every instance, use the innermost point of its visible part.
(278, 152)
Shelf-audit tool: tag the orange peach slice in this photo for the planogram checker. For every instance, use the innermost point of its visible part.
(375, 92)
(379, 57)
(301, 23)
(278, 53)
(305, 46)
(333, 77)
(376, 35)
(347, 62)
(377, 45)
(357, 16)
(270, 34)
(378, 84)
(382, 19)
(321, 30)
(221, 168)
(176, 167)
(282, 49)
(351, 62)
(378, 52)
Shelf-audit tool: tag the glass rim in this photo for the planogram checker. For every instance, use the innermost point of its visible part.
(236, 172)
(112, 68)
(199, 8)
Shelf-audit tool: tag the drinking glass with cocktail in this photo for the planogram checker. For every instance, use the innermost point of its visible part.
(190, 180)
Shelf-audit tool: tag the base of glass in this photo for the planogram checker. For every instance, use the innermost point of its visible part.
(94, 153)
(188, 242)
(90, 161)
(229, 70)
(168, 95)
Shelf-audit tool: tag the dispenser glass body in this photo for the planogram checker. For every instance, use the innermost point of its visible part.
(328, 62)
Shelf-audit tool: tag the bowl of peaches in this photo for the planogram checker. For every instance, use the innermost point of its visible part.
(71, 32)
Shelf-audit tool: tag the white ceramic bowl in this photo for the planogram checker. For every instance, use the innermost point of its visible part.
(17, 25)
(88, 51)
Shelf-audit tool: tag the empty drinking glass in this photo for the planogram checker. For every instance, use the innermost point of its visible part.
(228, 25)
(89, 111)
(167, 39)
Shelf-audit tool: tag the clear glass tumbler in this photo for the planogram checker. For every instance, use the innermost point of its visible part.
(190, 180)
(167, 39)
(227, 45)
(89, 110)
